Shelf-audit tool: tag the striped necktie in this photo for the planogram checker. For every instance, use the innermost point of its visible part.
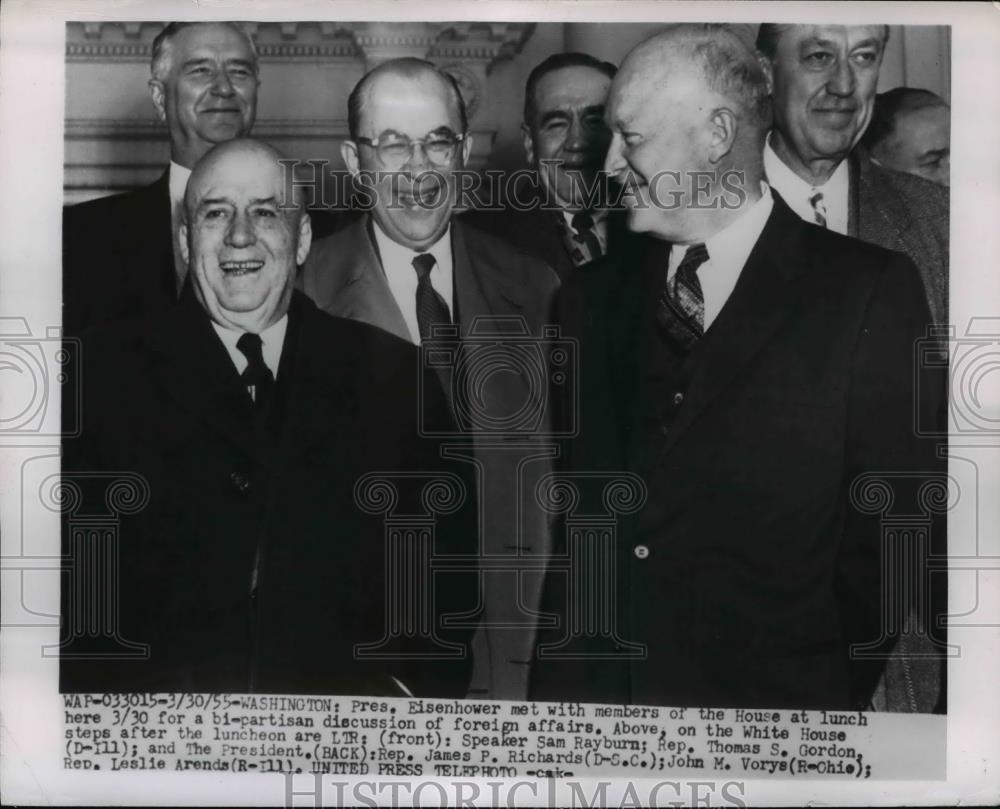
(581, 240)
(681, 308)
(431, 307)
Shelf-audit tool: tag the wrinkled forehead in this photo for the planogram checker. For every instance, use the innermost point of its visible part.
(208, 41)
(409, 105)
(646, 91)
(237, 179)
(842, 37)
(576, 85)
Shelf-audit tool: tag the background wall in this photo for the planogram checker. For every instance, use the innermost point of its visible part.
(114, 141)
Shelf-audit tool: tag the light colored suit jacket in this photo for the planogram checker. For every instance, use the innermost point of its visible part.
(344, 276)
(903, 213)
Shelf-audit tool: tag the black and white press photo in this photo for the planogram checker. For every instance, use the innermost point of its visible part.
(513, 396)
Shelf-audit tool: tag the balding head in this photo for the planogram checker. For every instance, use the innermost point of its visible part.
(688, 112)
(415, 70)
(241, 245)
(715, 59)
(911, 132)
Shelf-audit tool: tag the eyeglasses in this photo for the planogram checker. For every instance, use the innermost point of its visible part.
(394, 151)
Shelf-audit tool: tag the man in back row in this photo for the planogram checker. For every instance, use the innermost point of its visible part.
(823, 80)
(121, 254)
(911, 132)
(564, 216)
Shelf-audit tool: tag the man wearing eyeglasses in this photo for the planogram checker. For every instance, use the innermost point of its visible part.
(410, 268)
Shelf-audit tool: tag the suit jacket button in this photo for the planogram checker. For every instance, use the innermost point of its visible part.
(241, 482)
(641, 551)
(678, 398)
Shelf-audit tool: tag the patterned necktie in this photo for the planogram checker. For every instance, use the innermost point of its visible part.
(819, 208)
(256, 376)
(581, 240)
(681, 308)
(431, 307)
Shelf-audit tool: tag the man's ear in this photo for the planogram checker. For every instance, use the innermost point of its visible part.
(466, 148)
(529, 144)
(349, 152)
(305, 238)
(156, 90)
(182, 238)
(723, 135)
(768, 67)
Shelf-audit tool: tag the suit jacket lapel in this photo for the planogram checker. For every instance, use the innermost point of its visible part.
(761, 301)
(365, 294)
(853, 195)
(628, 363)
(160, 242)
(887, 219)
(557, 257)
(481, 287)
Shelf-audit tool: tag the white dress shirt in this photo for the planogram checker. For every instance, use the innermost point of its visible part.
(397, 263)
(797, 192)
(272, 340)
(177, 177)
(728, 251)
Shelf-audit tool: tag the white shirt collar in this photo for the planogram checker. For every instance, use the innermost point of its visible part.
(178, 179)
(797, 192)
(272, 339)
(728, 251)
(397, 263)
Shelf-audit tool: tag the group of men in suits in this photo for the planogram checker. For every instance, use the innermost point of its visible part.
(747, 365)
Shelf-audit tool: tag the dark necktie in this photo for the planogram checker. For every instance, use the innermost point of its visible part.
(681, 308)
(256, 376)
(819, 208)
(582, 241)
(431, 308)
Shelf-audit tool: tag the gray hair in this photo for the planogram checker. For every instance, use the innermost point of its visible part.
(159, 65)
(729, 65)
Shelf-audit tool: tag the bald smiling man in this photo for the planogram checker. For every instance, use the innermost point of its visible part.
(250, 416)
